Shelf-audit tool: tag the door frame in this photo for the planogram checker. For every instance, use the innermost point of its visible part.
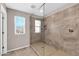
(0, 33)
(4, 13)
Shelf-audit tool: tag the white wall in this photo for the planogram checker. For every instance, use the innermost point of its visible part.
(17, 41)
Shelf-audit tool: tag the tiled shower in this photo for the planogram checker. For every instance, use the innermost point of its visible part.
(60, 31)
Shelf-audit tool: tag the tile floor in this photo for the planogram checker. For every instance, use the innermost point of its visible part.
(22, 52)
(43, 49)
(38, 49)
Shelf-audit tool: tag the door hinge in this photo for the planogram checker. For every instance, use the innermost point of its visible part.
(2, 32)
(2, 17)
(2, 47)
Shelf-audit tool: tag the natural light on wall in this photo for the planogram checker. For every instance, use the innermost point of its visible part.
(19, 25)
(37, 26)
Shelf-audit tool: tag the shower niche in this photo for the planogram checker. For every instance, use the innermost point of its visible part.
(70, 34)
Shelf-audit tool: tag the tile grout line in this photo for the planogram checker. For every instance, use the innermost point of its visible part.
(35, 51)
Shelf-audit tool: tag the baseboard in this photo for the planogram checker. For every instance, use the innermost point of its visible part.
(18, 48)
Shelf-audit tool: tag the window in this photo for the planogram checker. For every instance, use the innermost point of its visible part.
(37, 26)
(19, 25)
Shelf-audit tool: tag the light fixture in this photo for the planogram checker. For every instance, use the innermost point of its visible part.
(41, 10)
(33, 6)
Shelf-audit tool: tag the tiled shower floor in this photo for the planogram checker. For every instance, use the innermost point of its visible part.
(43, 49)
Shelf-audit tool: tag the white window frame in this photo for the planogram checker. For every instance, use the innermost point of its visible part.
(38, 26)
(15, 26)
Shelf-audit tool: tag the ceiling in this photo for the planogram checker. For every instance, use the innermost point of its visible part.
(52, 7)
(34, 8)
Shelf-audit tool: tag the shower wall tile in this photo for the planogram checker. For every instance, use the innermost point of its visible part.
(35, 37)
(63, 29)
